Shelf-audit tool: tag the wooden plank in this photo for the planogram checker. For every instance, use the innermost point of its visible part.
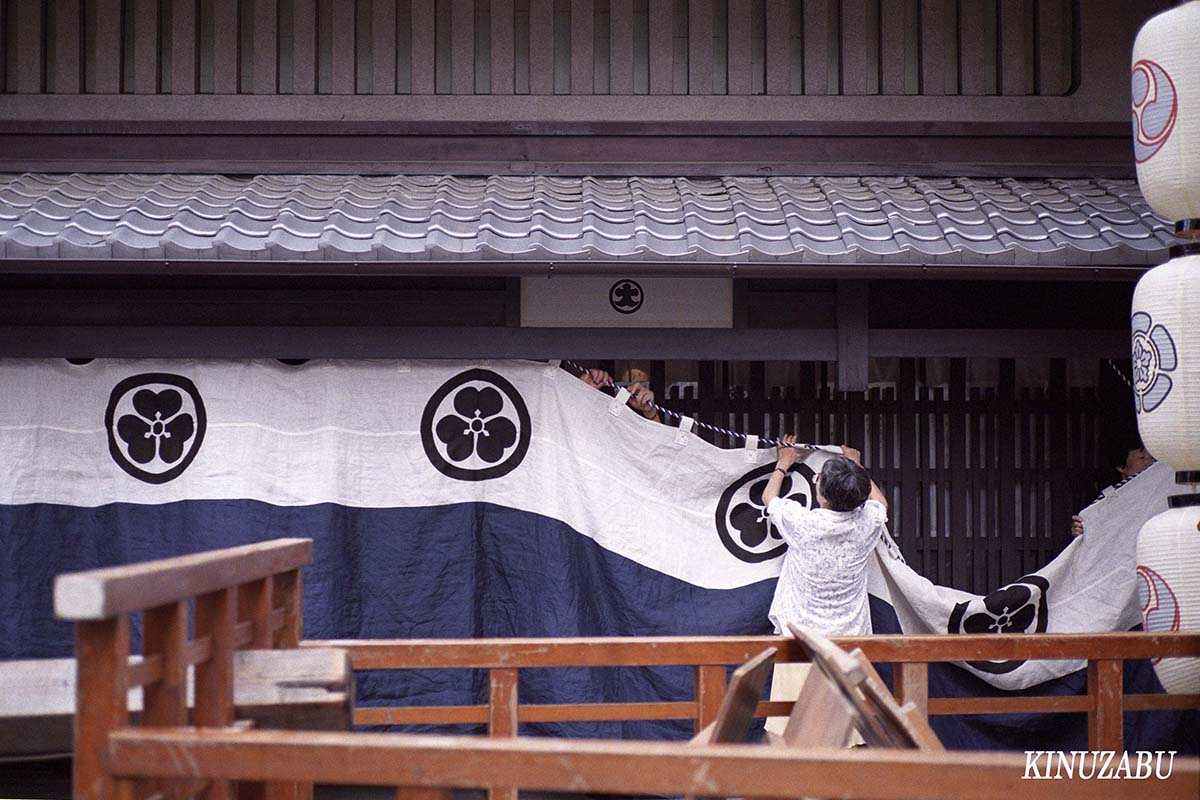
(541, 47)
(423, 42)
(254, 602)
(631, 651)
(502, 47)
(582, 42)
(265, 49)
(959, 484)
(700, 47)
(820, 51)
(106, 46)
(1054, 45)
(1159, 702)
(214, 614)
(462, 46)
(912, 685)
(1059, 513)
(304, 47)
(1058, 704)
(778, 48)
(1008, 445)
(977, 46)
(905, 525)
(289, 597)
(894, 46)
(1105, 720)
(103, 593)
(30, 47)
(67, 69)
(540, 712)
(164, 631)
(183, 66)
(342, 50)
(101, 651)
(710, 693)
(662, 55)
(620, 47)
(226, 27)
(383, 47)
(855, 44)
(607, 766)
(936, 63)
(739, 66)
(853, 339)
(502, 702)
(1016, 47)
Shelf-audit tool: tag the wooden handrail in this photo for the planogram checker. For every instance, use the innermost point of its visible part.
(699, 650)
(105, 593)
(607, 766)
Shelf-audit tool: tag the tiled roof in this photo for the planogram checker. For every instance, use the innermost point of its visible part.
(539, 218)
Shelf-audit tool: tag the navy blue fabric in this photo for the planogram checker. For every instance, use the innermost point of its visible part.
(466, 571)
(1159, 730)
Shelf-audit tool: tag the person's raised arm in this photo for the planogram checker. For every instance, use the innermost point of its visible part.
(787, 456)
(876, 494)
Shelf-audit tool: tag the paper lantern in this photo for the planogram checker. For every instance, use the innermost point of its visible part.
(1166, 360)
(1165, 88)
(1168, 559)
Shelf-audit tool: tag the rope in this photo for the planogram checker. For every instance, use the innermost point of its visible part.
(1121, 374)
(697, 423)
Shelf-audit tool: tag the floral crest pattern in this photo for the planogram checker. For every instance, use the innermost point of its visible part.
(741, 516)
(1019, 607)
(475, 426)
(155, 423)
(1154, 355)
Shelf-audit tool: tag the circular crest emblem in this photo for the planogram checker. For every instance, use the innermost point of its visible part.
(626, 296)
(475, 427)
(741, 516)
(1155, 107)
(1154, 356)
(1019, 607)
(155, 423)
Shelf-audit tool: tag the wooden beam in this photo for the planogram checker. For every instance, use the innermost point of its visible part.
(103, 593)
(853, 337)
(618, 651)
(309, 688)
(784, 344)
(606, 766)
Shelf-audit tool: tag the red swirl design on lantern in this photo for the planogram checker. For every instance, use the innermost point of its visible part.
(1155, 107)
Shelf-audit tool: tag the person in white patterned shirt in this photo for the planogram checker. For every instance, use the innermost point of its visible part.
(823, 583)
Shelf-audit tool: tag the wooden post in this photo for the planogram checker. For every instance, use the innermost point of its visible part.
(254, 605)
(214, 677)
(1105, 724)
(289, 591)
(165, 705)
(102, 654)
(502, 717)
(912, 685)
(710, 691)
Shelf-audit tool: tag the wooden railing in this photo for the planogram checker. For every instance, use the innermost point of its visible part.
(426, 766)
(251, 597)
(709, 656)
(241, 597)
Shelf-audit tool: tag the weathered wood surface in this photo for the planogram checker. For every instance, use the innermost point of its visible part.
(619, 651)
(290, 689)
(606, 766)
(103, 593)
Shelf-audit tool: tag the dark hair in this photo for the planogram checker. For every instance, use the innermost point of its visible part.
(1121, 445)
(844, 484)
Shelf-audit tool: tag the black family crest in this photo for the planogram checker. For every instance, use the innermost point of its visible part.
(1019, 607)
(155, 424)
(741, 516)
(626, 296)
(475, 427)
